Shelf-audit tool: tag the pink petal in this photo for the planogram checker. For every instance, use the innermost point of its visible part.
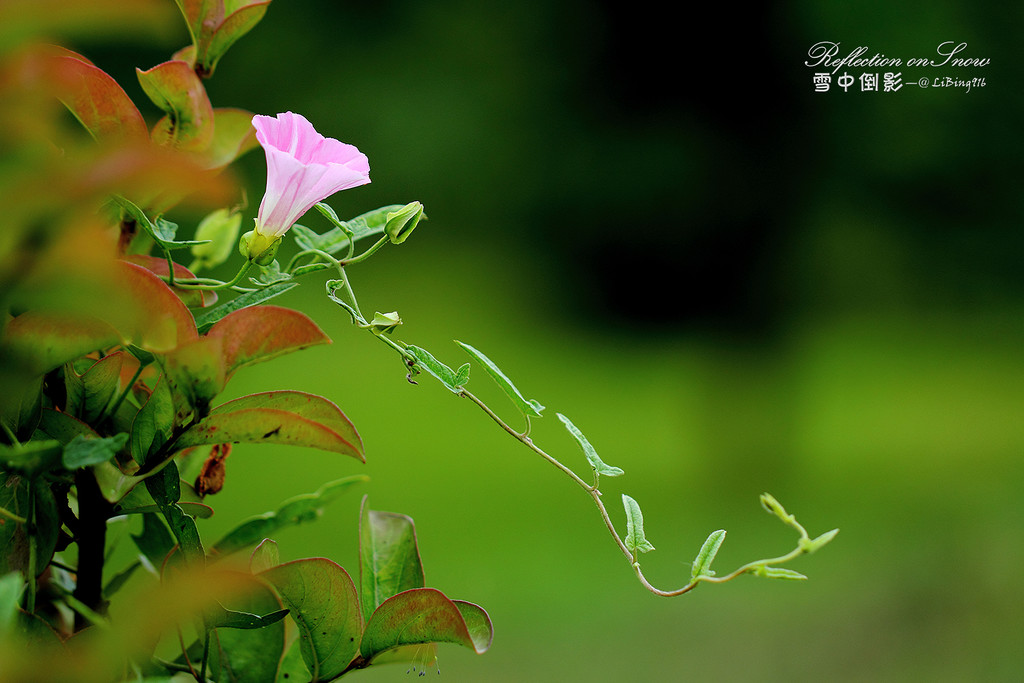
(303, 168)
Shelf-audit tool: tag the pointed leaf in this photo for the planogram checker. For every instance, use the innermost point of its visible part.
(209, 318)
(41, 342)
(811, 546)
(424, 615)
(216, 24)
(527, 407)
(452, 380)
(197, 373)
(779, 573)
(635, 539)
(158, 266)
(336, 239)
(702, 563)
(297, 510)
(165, 487)
(31, 459)
(260, 333)
(83, 451)
(139, 501)
(161, 322)
(389, 559)
(97, 101)
(264, 556)
(161, 231)
(249, 639)
(154, 423)
(286, 417)
(595, 461)
(324, 605)
(174, 87)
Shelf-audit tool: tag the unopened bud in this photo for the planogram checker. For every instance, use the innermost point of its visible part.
(259, 248)
(401, 223)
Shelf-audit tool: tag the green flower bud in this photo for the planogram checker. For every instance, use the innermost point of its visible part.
(385, 322)
(401, 223)
(221, 228)
(259, 248)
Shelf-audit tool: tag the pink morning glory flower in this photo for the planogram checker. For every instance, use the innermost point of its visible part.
(303, 168)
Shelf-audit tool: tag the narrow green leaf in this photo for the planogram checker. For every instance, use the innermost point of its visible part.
(635, 540)
(452, 380)
(154, 424)
(165, 487)
(210, 317)
(249, 643)
(31, 459)
(139, 501)
(779, 573)
(389, 558)
(162, 231)
(595, 461)
(818, 543)
(119, 579)
(303, 508)
(285, 417)
(83, 451)
(366, 225)
(702, 563)
(324, 605)
(424, 615)
(527, 407)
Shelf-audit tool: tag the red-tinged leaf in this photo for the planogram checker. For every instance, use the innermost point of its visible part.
(160, 321)
(196, 371)
(284, 417)
(323, 603)
(174, 87)
(216, 24)
(389, 558)
(199, 298)
(40, 342)
(97, 100)
(260, 333)
(425, 615)
(233, 136)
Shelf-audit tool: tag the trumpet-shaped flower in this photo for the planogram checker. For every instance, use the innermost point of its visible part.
(303, 168)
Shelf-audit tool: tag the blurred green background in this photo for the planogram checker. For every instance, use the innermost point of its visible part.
(730, 283)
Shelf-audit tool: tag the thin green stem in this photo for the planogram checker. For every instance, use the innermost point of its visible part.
(17, 519)
(30, 531)
(206, 655)
(210, 285)
(368, 253)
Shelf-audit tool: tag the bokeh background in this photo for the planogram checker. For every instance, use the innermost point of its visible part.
(732, 284)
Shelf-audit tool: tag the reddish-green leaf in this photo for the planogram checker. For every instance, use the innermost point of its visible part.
(216, 24)
(160, 321)
(174, 87)
(389, 559)
(285, 417)
(158, 266)
(97, 100)
(44, 341)
(260, 333)
(197, 373)
(425, 615)
(323, 603)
